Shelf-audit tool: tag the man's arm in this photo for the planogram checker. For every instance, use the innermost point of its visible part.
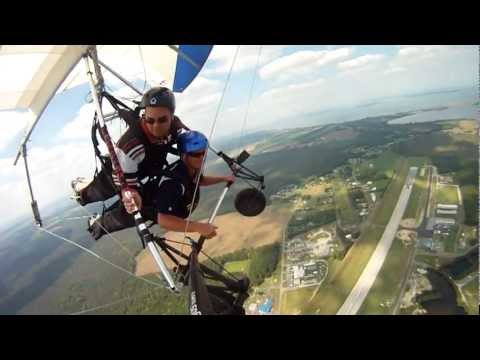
(212, 180)
(175, 223)
(130, 152)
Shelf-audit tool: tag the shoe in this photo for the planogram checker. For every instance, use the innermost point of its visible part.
(92, 219)
(78, 185)
(94, 227)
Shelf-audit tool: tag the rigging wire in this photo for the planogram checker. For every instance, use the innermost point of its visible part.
(148, 292)
(106, 231)
(101, 258)
(220, 266)
(197, 182)
(250, 93)
(144, 69)
(102, 306)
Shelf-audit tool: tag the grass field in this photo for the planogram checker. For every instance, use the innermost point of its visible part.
(450, 241)
(418, 197)
(343, 203)
(381, 185)
(384, 209)
(447, 194)
(269, 288)
(470, 203)
(385, 163)
(470, 291)
(387, 285)
(294, 302)
(378, 167)
(470, 234)
(237, 266)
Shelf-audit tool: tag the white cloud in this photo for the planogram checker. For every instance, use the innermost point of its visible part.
(220, 60)
(409, 51)
(79, 127)
(295, 60)
(361, 62)
(408, 55)
(12, 123)
(433, 66)
(51, 170)
(290, 89)
(202, 93)
(396, 69)
(302, 62)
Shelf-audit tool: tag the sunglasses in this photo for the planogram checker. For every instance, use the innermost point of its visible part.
(196, 154)
(151, 121)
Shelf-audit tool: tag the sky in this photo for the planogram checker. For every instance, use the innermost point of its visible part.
(267, 85)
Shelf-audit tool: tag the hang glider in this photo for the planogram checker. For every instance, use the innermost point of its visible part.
(32, 75)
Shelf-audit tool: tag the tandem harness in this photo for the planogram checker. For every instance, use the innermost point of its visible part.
(131, 119)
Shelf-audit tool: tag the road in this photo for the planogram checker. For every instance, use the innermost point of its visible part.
(282, 247)
(360, 291)
(410, 267)
(411, 260)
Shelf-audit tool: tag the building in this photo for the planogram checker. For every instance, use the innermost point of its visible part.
(266, 307)
(447, 207)
(421, 271)
(446, 212)
(427, 243)
(298, 272)
(435, 222)
(444, 221)
(322, 248)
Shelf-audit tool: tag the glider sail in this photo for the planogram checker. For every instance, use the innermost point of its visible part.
(31, 75)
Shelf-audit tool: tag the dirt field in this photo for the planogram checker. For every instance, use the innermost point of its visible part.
(313, 189)
(234, 232)
(345, 134)
(465, 127)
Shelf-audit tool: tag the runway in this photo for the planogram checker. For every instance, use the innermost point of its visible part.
(360, 291)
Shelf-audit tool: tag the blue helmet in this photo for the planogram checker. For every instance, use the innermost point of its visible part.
(192, 141)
